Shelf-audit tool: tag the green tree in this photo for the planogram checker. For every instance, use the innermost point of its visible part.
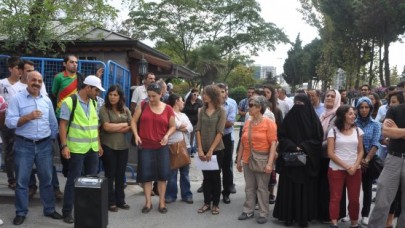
(231, 26)
(241, 76)
(38, 26)
(293, 71)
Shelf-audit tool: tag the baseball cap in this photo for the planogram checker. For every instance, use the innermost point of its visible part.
(95, 81)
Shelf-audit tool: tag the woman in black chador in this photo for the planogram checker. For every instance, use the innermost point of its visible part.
(301, 130)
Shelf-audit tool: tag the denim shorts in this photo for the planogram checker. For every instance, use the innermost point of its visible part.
(153, 165)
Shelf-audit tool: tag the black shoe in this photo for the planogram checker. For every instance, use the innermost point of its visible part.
(54, 215)
(188, 200)
(68, 218)
(245, 216)
(226, 199)
(18, 220)
(272, 199)
(232, 189)
(261, 220)
(162, 210)
(333, 226)
(200, 189)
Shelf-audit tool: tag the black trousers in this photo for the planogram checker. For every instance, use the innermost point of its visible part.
(8, 137)
(367, 185)
(212, 182)
(115, 164)
(227, 164)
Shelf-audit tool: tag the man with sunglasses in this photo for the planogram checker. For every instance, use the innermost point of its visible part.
(79, 138)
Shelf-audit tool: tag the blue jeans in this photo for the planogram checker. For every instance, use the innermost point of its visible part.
(171, 191)
(55, 181)
(25, 154)
(87, 162)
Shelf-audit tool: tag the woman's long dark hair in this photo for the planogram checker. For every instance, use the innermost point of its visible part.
(273, 99)
(341, 116)
(172, 99)
(121, 101)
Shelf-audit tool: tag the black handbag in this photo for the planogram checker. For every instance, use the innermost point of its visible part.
(375, 167)
(294, 158)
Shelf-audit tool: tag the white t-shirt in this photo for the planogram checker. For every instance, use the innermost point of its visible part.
(19, 86)
(345, 147)
(139, 94)
(4, 88)
(177, 136)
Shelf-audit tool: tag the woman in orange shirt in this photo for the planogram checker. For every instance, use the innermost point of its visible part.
(259, 134)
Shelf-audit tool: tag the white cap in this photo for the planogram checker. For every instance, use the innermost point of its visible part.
(95, 81)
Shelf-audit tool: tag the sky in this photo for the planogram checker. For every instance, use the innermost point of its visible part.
(285, 15)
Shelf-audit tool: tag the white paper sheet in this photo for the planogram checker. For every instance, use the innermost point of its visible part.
(204, 165)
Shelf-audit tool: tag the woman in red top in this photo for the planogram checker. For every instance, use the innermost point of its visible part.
(151, 134)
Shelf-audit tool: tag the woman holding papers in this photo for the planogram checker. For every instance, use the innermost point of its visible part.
(259, 134)
(210, 127)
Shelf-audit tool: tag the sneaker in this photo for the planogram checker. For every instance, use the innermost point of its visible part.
(1, 222)
(364, 221)
(272, 199)
(245, 216)
(261, 220)
(346, 219)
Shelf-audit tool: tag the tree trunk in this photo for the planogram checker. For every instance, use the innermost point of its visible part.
(370, 69)
(380, 66)
(387, 64)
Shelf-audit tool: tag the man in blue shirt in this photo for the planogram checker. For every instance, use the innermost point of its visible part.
(227, 167)
(32, 116)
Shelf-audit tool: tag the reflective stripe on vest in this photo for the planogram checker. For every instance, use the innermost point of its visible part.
(83, 132)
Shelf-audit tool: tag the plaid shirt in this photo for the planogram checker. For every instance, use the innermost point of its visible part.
(372, 133)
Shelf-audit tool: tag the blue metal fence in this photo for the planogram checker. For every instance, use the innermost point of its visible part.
(49, 67)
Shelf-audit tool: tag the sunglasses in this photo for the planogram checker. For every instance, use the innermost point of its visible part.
(251, 105)
(194, 94)
(154, 87)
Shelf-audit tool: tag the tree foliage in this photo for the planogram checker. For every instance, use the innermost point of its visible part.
(233, 27)
(41, 26)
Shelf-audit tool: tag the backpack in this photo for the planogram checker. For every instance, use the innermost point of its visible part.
(74, 104)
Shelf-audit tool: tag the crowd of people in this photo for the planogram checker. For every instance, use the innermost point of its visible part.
(320, 144)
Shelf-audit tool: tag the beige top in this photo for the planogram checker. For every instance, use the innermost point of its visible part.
(209, 126)
(114, 140)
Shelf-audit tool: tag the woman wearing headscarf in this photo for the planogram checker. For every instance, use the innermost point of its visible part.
(372, 133)
(301, 130)
(331, 104)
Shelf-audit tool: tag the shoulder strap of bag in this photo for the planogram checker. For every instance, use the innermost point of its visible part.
(72, 113)
(250, 136)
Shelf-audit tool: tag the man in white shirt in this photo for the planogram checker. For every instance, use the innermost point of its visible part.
(25, 67)
(140, 92)
(284, 103)
(7, 134)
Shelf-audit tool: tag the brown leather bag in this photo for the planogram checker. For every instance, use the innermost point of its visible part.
(179, 156)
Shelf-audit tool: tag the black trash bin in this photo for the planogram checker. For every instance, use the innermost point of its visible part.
(91, 202)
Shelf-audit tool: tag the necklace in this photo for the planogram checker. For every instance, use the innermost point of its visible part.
(257, 122)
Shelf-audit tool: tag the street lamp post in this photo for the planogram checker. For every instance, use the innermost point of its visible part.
(143, 67)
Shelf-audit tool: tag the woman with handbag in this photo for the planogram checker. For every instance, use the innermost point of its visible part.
(259, 134)
(300, 138)
(180, 142)
(345, 150)
(210, 128)
(152, 124)
(372, 133)
(115, 120)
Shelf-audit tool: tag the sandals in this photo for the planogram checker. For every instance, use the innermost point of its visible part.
(204, 208)
(215, 210)
(113, 208)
